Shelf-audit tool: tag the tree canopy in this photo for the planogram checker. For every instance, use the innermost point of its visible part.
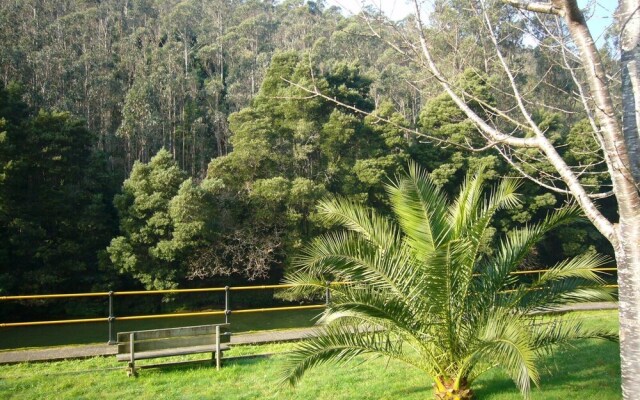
(187, 143)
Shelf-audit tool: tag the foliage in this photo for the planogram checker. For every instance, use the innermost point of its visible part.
(290, 151)
(162, 216)
(448, 160)
(205, 80)
(419, 289)
(55, 190)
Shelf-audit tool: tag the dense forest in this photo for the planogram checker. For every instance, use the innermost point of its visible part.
(165, 143)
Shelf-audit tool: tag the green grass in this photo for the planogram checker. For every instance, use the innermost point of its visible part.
(588, 370)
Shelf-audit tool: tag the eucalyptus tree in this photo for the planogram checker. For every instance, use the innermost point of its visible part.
(422, 288)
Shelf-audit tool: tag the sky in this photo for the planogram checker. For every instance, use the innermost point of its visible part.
(398, 9)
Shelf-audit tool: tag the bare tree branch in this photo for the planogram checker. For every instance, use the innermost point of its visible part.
(535, 6)
(495, 135)
(317, 93)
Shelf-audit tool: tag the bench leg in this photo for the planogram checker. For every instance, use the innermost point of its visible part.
(218, 355)
(218, 349)
(131, 370)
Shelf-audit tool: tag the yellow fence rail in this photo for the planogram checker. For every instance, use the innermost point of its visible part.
(140, 292)
(111, 319)
(542, 271)
(59, 322)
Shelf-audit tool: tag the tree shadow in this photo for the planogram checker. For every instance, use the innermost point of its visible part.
(592, 364)
(176, 365)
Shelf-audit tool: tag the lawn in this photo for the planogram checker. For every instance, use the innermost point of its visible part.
(588, 370)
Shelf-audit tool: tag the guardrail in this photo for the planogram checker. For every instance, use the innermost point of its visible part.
(111, 318)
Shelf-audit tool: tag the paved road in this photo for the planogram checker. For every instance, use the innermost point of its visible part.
(93, 350)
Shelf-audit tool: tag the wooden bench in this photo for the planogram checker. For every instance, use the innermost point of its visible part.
(141, 345)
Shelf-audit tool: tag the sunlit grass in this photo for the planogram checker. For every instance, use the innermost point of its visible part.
(588, 370)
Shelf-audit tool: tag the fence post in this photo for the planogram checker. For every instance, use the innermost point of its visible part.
(327, 294)
(227, 310)
(112, 319)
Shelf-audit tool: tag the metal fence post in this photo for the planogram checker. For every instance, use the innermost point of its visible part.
(327, 294)
(112, 320)
(227, 310)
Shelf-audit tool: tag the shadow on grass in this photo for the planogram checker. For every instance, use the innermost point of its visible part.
(592, 365)
(406, 392)
(205, 363)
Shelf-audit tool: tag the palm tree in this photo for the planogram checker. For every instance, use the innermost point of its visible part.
(432, 289)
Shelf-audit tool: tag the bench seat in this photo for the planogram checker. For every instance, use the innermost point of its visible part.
(156, 343)
(180, 351)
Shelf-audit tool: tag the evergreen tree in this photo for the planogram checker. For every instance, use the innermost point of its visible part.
(54, 200)
(155, 223)
(290, 150)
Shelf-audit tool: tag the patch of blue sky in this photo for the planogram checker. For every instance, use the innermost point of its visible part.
(599, 13)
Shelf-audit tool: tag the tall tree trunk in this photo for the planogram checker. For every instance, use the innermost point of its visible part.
(623, 170)
(620, 145)
(628, 230)
(628, 261)
(186, 55)
(629, 21)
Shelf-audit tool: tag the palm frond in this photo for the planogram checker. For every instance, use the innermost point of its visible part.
(375, 307)
(333, 252)
(558, 294)
(464, 209)
(503, 196)
(373, 227)
(512, 250)
(570, 281)
(507, 342)
(442, 277)
(420, 208)
(548, 333)
(306, 285)
(477, 218)
(346, 256)
(580, 267)
(341, 343)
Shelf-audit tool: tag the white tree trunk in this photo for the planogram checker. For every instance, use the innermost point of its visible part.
(628, 229)
(629, 19)
(621, 144)
(628, 262)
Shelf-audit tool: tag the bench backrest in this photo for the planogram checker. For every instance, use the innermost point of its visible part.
(160, 339)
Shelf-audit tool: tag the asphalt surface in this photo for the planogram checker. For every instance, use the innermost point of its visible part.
(93, 350)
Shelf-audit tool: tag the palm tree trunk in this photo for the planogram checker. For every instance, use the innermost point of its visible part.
(446, 389)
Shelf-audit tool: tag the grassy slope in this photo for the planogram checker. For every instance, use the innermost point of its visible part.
(590, 370)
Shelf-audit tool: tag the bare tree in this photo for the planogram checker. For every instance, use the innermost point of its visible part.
(616, 132)
(249, 252)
